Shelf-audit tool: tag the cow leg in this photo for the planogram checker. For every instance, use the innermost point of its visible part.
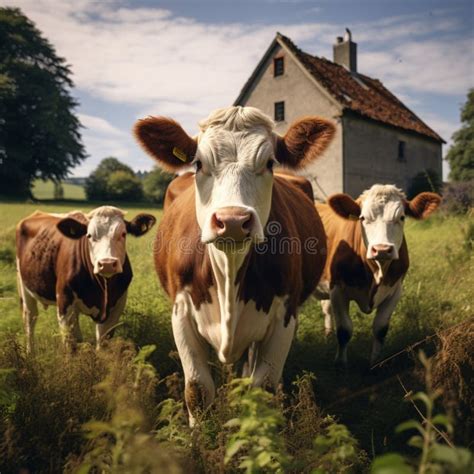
(272, 353)
(106, 329)
(328, 316)
(199, 387)
(30, 316)
(382, 321)
(340, 309)
(67, 315)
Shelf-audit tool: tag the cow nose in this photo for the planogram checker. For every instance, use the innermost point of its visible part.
(232, 222)
(382, 251)
(108, 266)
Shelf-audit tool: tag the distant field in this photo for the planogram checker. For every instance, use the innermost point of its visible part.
(437, 294)
(45, 190)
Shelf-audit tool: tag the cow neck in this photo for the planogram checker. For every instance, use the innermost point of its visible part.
(100, 282)
(225, 267)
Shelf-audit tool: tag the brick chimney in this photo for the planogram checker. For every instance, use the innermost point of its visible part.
(345, 52)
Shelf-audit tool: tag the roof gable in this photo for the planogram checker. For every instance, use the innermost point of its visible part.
(354, 92)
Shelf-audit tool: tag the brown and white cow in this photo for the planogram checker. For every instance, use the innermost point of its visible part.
(240, 249)
(79, 263)
(367, 258)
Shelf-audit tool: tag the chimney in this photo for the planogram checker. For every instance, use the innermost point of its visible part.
(345, 52)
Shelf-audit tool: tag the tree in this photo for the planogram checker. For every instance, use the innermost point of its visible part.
(39, 133)
(123, 186)
(461, 154)
(155, 184)
(96, 184)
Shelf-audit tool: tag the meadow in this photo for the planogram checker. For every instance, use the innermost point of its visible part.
(135, 397)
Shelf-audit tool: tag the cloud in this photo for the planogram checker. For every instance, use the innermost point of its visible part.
(159, 63)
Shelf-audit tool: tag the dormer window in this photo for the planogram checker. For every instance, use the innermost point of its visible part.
(278, 66)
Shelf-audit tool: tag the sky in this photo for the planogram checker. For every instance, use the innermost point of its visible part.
(183, 59)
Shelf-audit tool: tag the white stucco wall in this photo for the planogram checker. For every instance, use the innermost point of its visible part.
(302, 97)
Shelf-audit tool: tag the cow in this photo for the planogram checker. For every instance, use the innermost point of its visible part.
(367, 258)
(224, 250)
(79, 263)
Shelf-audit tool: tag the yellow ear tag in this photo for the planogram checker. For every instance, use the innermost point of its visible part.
(180, 154)
(144, 228)
(352, 217)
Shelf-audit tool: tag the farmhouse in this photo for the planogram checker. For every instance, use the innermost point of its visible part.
(378, 139)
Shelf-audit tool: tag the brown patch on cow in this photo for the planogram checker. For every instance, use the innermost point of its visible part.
(166, 141)
(347, 264)
(177, 187)
(195, 397)
(55, 267)
(305, 140)
(299, 181)
(182, 261)
(422, 205)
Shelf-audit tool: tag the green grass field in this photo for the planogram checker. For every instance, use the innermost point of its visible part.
(438, 294)
(45, 190)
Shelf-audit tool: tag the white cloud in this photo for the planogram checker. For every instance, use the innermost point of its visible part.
(160, 63)
(98, 124)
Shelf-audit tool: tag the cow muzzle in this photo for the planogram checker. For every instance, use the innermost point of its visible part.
(108, 267)
(383, 252)
(232, 224)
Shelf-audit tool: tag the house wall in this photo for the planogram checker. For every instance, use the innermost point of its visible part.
(371, 155)
(302, 97)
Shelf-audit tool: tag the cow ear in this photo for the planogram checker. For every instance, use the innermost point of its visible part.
(422, 205)
(304, 141)
(71, 228)
(344, 206)
(140, 224)
(166, 142)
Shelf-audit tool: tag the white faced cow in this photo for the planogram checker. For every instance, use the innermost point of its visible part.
(77, 262)
(367, 257)
(236, 283)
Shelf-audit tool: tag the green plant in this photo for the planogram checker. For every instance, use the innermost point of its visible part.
(155, 184)
(257, 442)
(337, 449)
(435, 456)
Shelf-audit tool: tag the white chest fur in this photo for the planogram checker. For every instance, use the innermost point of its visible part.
(247, 325)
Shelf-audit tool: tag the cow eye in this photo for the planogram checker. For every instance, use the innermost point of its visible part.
(124, 234)
(270, 164)
(198, 165)
(362, 218)
(402, 218)
(89, 236)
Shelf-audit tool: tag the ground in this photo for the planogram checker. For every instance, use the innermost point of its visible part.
(438, 294)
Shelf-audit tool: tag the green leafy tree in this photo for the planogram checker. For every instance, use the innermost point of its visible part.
(155, 184)
(96, 185)
(123, 186)
(39, 132)
(461, 154)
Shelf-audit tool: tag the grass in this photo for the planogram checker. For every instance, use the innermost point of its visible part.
(437, 295)
(45, 190)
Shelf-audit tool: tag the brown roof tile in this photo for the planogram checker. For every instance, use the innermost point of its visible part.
(360, 94)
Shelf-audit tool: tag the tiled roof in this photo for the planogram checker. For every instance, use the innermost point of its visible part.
(359, 93)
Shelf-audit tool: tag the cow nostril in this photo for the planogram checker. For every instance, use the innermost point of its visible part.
(247, 224)
(114, 264)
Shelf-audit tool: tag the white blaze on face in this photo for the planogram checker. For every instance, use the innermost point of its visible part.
(106, 234)
(234, 179)
(382, 217)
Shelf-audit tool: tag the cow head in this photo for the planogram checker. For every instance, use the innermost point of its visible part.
(105, 229)
(381, 211)
(233, 156)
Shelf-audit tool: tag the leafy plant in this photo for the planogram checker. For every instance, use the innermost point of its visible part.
(257, 442)
(435, 456)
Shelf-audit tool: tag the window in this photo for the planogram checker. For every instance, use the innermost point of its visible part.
(402, 151)
(279, 111)
(278, 66)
